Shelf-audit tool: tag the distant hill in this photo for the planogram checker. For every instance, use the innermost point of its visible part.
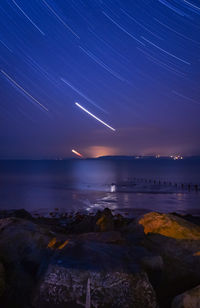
(108, 157)
(124, 157)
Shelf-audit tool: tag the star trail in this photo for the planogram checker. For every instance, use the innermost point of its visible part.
(135, 64)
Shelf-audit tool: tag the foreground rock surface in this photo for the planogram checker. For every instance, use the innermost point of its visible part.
(48, 269)
(96, 261)
(189, 299)
(68, 287)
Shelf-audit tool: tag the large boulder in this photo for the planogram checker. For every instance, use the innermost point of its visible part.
(188, 299)
(81, 224)
(97, 267)
(177, 241)
(22, 239)
(152, 263)
(21, 213)
(105, 221)
(169, 225)
(22, 249)
(112, 237)
(70, 287)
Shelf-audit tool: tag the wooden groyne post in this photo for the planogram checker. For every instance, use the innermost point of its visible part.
(185, 186)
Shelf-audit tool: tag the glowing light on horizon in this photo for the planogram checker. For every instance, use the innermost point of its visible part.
(99, 150)
(77, 153)
(96, 118)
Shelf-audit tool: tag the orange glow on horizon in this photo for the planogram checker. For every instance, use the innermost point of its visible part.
(96, 151)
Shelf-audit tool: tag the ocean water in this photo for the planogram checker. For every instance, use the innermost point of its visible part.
(84, 185)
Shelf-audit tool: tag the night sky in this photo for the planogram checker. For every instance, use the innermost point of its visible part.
(135, 64)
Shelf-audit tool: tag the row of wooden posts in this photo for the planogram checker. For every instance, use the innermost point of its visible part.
(188, 186)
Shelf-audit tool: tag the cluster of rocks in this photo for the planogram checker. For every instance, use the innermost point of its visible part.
(101, 260)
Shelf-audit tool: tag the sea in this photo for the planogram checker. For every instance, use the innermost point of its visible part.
(84, 185)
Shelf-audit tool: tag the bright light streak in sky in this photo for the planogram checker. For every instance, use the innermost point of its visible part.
(92, 115)
(77, 153)
(19, 87)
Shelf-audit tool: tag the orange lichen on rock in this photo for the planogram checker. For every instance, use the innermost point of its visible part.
(197, 254)
(63, 245)
(52, 243)
(169, 225)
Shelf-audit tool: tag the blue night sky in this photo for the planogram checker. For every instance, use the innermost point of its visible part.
(133, 64)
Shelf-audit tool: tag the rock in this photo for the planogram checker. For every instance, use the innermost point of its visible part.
(181, 270)
(92, 257)
(177, 241)
(120, 222)
(189, 217)
(188, 299)
(154, 263)
(68, 287)
(154, 267)
(102, 221)
(112, 237)
(115, 277)
(22, 250)
(21, 213)
(106, 221)
(134, 228)
(169, 225)
(2, 279)
(4, 223)
(82, 224)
